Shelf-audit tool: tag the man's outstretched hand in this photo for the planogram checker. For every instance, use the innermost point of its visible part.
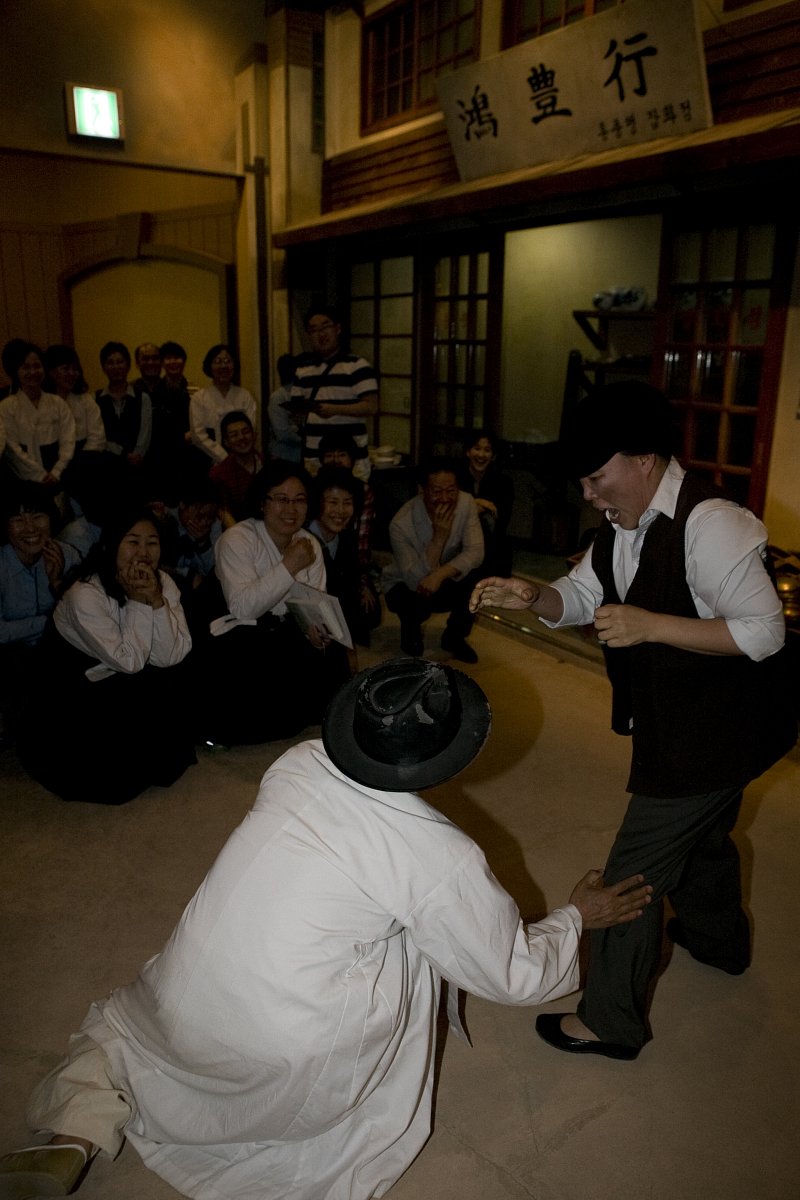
(602, 906)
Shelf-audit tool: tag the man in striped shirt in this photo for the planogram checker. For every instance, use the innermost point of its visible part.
(333, 389)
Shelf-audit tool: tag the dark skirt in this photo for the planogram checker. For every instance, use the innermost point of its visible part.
(105, 742)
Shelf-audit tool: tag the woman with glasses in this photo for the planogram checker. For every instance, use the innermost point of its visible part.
(257, 563)
(210, 404)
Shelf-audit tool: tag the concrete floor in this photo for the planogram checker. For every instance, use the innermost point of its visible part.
(709, 1111)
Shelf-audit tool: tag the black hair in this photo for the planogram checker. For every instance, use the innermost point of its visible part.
(285, 368)
(197, 488)
(337, 439)
(212, 354)
(276, 472)
(114, 348)
(59, 355)
(10, 354)
(322, 310)
(172, 350)
(230, 419)
(102, 558)
(433, 466)
(473, 436)
(26, 496)
(335, 477)
(16, 358)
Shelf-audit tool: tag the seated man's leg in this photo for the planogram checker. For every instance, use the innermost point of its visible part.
(413, 610)
(453, 597)
(655, 839)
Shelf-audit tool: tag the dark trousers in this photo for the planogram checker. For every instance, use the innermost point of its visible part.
(414, 609)
(683, 848)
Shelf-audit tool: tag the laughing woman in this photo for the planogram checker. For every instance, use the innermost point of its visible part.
(116, 656)
(264, 678)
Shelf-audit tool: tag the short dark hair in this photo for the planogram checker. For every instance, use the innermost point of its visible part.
(322, 310)
(285, 368)
(337, 440)
(433, 466)
(60, 355)
(102, 558)
(230, 419)
(16, 358)
(276, 472)
(114, 348)
(335, 477)
(173, 350)
(212, 354)
(26, 496)
(473, 436)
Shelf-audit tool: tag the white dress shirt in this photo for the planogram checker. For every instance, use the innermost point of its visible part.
(253, 577)
(29, 426)
(207, 408)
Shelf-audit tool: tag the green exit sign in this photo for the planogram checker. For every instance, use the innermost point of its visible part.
(94, 112)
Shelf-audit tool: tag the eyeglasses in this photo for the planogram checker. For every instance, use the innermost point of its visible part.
(223, 361)
(285, 501)
(313, 329)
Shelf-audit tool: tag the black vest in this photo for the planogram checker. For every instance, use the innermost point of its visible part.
(122, 429)
(701, 722)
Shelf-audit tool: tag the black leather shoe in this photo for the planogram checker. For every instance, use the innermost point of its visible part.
(459, 647)
(674, 930)
(548, 1027)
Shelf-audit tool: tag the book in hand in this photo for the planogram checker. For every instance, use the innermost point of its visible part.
(309, 606)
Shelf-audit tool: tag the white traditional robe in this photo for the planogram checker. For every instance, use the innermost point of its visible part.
(282, 1044)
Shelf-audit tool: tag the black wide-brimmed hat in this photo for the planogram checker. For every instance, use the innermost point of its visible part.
(627, 417)
(406, 724)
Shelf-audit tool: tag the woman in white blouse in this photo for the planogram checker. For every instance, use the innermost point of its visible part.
(65, 378)
(116, 653)
(265, 679)
(40, 429)
(210, 404)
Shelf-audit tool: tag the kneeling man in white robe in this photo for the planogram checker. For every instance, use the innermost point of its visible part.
(281, 1045)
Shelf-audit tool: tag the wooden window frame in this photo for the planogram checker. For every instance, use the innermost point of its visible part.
(403, 22)
(571, 10)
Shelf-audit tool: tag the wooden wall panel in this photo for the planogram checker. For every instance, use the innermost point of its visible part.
(31, 258)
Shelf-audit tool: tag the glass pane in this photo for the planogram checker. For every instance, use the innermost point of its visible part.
(463, 274)
(679, 367)
(721, 254)
(460, 407)
(445, 11)
(395, 395)
(684, 314)
(440, 361)
(426, 54)
(365, 346)
(718, 314)
(741, 439)
(686, 263)
(442, 322)
(396, 356)
(736, 487)
(362, 317)
(397, 315)
(479, 364)
(465, 7)
(712, 376)
(760, 241)
(753, 321)
(464, 37)
(462, 319)
(440, 412)
(481, 316)
(442, 277)
(460, 354)
(748, 379)
(396, 431)
(482, 273)
(362, 279)
(477, 409)
(706, 436)
(397, 275)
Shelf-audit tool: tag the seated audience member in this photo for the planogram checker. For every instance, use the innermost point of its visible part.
(40, 429)
(65, 376)
(494, 496)
(32, 568)
(336, 503)
(148, 363)
(337, 449)
(282, 1044)
(210, 404)
(95, 489)
(8, 356)
(263, 679)
(232, 477)
(437, 546)
(115, 656)
(171, 453)
(286, 441)
(127, 415)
